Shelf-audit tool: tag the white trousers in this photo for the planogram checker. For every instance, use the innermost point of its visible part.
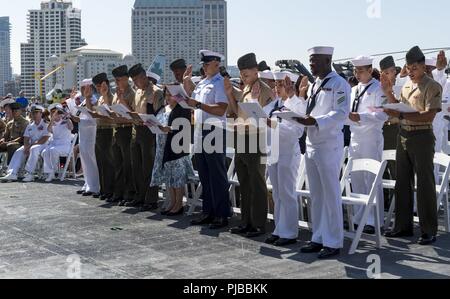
(323, 166)
(19, 158)
(283, 177)
(439, 125)
(51, 156)
(367, 148)
(88, 134)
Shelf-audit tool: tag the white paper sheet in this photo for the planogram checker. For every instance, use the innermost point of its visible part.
(253, 110)
(400, 107)
(289, 116)
(122, 111)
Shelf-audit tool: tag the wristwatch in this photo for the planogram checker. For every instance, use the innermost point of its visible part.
(198, 106)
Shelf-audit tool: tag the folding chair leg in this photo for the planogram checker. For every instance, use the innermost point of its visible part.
(359, 231)
(389, 217)
(446, 214)
(195, 200)
(378, 225)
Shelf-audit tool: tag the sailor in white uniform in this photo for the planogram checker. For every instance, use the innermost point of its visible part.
(284, 170)
(328, 109)
(88, 134)
(367, 142)
(36, 137)
(61, 129)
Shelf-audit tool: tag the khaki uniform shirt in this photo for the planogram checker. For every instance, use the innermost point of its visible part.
(104, 123)
(128, 98)
(426, 96)
(266, 96)
(15, 129)
(152, 95)
(2, 128)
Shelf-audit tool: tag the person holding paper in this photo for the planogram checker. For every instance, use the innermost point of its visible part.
(391, 127)
(284, 168)
(104, 142)
(124, 188)
(415, 150)
(88, 135)
(249, 158)
(328, 109)
(211, 104)
(149, 99)
(366, 126)
(172, 167)
(60, 127)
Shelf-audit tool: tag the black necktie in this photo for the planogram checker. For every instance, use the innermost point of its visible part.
(358, 98)
(313, 99)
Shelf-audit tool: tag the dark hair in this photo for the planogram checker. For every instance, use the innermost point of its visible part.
(376, 74)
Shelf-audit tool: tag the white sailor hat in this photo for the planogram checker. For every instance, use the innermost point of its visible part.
(86, 82)
(279, 75)
(362, 61)
(266, 75)
(321, 51)
(37, 108)
(55, 106)
(292, 76)
(431, 62)
(7, 101)
(196, 79)
(208, 56)
(153, 75)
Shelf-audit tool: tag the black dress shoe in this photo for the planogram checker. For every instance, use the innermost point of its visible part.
(113, 200)
(80, 192)
(311, 248)
(272, 239)
(179, 213)
(426, 240)
(133, 204)
(164, 213)
(255, 233)
(369, 230)
(285, 242)
(86, 194)
(219, 223)
(105, 196)
(327, 252)
(240, 230)
(149, 208)
(96, 195)
(205, 220)
(399, 234)
(123, 203)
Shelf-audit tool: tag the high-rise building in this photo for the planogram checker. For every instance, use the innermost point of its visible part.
(83, 63)
(178, 29)
(54, 29)
(5, 53)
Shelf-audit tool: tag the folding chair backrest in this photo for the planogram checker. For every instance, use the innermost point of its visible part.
(363, 165)
(443, 160)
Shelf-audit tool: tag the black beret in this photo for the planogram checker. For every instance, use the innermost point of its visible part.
(415, 55)
(247, 61)
(100, 78)
(387, 62)
(136, 70)
(121, 71)
(15, 106)
(262, 66)
(178, 64)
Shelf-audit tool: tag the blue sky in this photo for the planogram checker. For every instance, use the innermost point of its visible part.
(276, 29)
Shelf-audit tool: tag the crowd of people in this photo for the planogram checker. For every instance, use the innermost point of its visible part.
(126, 157)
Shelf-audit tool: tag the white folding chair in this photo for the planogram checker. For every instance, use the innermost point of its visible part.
(70, 160)
(440, 160)
(367, 201)
(389, 156)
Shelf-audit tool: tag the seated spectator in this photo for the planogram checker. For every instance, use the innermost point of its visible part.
(61, 129)
(15, 128)
(36, 137)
